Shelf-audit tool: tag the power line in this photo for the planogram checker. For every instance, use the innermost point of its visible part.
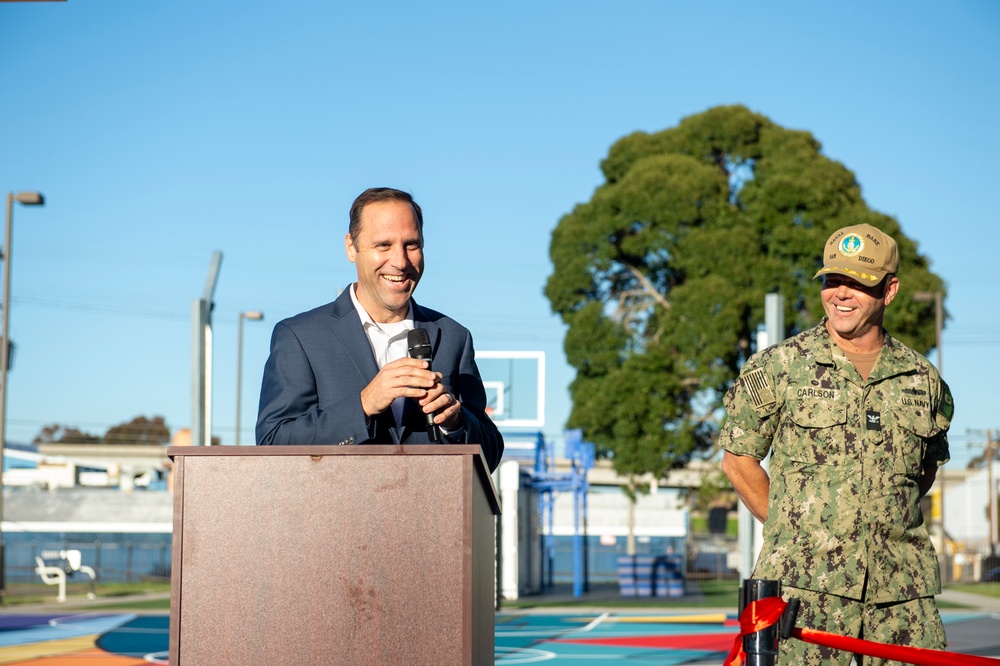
(120, 310)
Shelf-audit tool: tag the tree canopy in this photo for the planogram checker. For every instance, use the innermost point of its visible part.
(140, 430)
(661, 276)
(59, 434)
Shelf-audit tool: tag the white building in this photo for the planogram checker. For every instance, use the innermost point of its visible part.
(966, 505)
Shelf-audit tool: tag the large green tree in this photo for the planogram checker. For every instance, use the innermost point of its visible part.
(661, 276)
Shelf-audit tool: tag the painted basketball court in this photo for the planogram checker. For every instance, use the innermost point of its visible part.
(572, 639)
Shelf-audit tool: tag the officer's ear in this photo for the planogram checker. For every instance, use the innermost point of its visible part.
(890, 287)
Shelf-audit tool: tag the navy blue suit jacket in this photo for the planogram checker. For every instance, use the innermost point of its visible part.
(321, 360)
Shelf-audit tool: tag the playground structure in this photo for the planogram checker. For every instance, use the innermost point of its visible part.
(547, 481)
(54, 566)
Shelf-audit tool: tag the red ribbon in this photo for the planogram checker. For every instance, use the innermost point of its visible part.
(756, 616)
(904, 653)
(766, 612)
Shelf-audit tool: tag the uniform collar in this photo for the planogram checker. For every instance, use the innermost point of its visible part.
(894, 358)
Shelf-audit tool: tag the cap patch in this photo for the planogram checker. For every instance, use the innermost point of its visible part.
(861, 252)
(759, 389)
(851, 245)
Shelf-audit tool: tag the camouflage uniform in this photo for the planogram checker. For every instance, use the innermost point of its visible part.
(846, 457)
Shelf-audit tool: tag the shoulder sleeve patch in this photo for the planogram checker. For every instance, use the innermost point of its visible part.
(758, 388)
(947, 407)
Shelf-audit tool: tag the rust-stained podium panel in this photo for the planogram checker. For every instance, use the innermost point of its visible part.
(297, 555)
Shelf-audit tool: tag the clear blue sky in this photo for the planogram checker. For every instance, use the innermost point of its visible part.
(162, 131)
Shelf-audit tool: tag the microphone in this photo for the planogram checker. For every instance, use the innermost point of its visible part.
(418, 344)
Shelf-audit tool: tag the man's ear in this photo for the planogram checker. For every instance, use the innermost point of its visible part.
(352, 252)
(891, 289)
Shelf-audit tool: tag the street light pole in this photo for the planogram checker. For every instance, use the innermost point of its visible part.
(25, 199)
(255, 315)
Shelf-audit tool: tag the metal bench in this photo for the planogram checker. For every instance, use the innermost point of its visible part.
(53, 566)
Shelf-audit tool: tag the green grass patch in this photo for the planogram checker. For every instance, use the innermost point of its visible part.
(160, 603)
(109, 596)
(721, 593)
(985, 589)
(127, 589)
(947, 605)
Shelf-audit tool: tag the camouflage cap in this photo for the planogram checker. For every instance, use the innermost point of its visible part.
(862, 253)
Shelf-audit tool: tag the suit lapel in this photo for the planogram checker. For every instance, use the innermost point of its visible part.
(349, 331)
(351, 334)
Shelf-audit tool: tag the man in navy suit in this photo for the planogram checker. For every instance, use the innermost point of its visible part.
(341, 373)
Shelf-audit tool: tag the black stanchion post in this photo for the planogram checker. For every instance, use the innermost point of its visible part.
(761, 647)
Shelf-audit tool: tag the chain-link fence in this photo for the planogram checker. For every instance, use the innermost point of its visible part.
(121, 560)
(602, 555)
(712, 557)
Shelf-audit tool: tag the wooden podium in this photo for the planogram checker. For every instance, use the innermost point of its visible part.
(299, 555)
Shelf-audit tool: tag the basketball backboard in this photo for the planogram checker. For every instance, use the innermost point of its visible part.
(515, 387)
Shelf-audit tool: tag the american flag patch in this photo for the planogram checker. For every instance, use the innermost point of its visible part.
(760, 391)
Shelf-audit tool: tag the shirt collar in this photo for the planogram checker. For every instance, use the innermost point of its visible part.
(366, 319)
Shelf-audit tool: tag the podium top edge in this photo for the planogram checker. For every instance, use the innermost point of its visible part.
(320, 450)
(329, 450)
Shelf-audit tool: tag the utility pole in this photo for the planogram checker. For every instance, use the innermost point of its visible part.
(991, 488)
(25, 199)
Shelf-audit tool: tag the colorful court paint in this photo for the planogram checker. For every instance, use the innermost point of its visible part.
(84, 638)
(642, 639)
(521, 638)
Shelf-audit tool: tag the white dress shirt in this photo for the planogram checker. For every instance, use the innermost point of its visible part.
(388, 342)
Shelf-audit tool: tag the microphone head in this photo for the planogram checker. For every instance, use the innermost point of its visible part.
(418, 343)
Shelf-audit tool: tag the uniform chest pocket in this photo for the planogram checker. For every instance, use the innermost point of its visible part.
(814, 432)
(910, 434)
